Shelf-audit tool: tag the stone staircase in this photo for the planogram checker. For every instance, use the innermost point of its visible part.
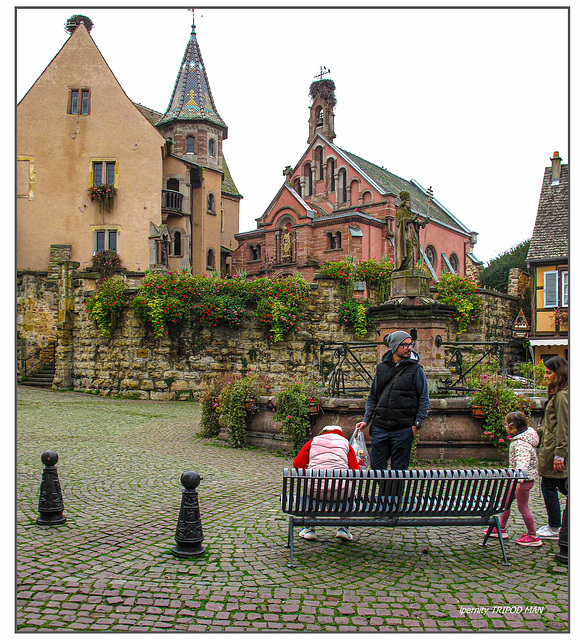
(42, 377)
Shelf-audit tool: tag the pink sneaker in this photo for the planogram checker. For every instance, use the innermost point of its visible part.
(493, 534)
(529, 541)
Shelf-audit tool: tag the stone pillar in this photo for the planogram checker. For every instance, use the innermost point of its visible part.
(63, 374)
(410, 311)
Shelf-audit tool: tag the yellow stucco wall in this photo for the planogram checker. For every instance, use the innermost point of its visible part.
(62, 147)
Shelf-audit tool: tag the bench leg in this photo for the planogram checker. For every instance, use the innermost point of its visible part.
(505, 560)
(290, 542)
(491, 527)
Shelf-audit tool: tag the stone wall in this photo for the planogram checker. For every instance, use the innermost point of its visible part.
(37, 299)
(134, 364)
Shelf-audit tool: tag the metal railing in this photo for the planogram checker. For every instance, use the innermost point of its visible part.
(39, 357)
(344, 356)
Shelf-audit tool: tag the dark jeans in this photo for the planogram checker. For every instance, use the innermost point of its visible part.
(391, 445)
(550, 489)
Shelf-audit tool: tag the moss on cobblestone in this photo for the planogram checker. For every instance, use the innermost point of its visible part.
(110, 567)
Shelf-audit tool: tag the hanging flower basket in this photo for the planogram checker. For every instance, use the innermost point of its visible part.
(104, 194)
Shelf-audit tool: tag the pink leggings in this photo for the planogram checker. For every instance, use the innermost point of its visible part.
(522, 497)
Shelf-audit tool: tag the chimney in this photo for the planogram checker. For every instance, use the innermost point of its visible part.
(556, 162)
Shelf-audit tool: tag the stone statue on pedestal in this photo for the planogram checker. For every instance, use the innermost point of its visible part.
(407, 243)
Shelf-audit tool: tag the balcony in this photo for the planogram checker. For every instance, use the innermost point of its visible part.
(171, 203)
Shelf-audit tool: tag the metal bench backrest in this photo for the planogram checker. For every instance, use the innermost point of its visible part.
(386, 493)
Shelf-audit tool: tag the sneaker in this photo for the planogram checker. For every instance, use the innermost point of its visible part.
(344, 534)
(493, 534)
(529, 541)
(308, 533)
(548, 532)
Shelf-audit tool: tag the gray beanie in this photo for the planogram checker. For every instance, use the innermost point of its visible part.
(393, 340)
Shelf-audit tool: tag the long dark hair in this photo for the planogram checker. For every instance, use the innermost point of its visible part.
(559, 366)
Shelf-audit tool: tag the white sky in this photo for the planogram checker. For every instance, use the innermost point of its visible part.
(472, 102)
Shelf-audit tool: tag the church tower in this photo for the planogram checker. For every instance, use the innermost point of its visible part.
(322, 109)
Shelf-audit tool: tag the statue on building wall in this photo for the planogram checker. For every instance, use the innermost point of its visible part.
(287, 244)
(407, 242)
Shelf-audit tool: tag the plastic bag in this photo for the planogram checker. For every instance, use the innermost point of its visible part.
(357, 442)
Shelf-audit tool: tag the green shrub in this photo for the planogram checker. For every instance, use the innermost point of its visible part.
(105, 306)
(497, 401)
(461, 293)
(353, 314)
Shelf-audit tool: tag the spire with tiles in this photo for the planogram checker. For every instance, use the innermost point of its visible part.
(192, 98)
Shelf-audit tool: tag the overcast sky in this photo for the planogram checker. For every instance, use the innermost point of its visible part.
(472, 102)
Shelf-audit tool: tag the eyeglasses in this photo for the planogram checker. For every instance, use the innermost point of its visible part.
(407, 345)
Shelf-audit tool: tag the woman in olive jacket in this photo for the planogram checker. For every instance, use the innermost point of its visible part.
(553, 452)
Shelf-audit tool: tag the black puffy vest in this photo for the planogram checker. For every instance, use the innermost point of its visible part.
(399, 408)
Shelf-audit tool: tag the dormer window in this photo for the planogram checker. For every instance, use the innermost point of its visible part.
(190, 144)
(211, 147)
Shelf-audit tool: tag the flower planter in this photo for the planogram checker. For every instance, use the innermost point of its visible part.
(313, 408)
(249, 405)
(477, 412)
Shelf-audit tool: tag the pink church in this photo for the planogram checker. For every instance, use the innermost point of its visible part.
(335, 204)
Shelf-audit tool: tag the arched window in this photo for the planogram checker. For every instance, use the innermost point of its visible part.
(454, 260)
(331, 174)
(190, 144)
(210, 259)
(177, 243)
(310, 183)
(211, 203)
(354, 188)
(319, 117)
(320, 160)
(338, 241)
(173, 184)
(298, 186)
(211, 147)
(431, 255)
(342, 182)
(255, 252)
(367, 197)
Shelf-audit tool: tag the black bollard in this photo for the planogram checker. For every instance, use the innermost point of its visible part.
(189, 535)
(50, 505)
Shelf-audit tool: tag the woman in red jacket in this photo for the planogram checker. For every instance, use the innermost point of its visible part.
(329, 450)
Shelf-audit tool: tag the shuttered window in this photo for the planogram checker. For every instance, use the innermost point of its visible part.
(551, 289)
(564, 292)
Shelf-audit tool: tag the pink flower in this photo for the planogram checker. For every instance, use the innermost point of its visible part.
(288, 417)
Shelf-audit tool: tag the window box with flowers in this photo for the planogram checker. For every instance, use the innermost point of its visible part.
(561, 318)
(104, 194)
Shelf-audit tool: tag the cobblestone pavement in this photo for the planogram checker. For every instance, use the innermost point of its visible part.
(110, 566)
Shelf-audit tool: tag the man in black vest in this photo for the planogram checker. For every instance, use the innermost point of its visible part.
(398, 402)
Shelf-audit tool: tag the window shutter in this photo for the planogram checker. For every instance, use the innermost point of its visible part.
(564, 280)
(551, 289)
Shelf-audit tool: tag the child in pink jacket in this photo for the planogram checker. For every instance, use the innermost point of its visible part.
(329, 450)
(522, 455)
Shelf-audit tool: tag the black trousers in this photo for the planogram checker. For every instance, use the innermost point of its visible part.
(391, 445)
